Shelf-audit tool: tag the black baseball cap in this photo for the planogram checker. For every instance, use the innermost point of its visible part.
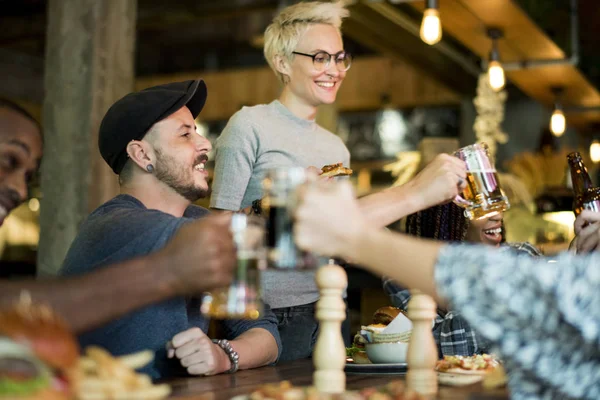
(131, 117)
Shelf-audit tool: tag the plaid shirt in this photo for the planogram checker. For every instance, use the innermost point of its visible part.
(542, 318)
(524, 248)
(453, 335)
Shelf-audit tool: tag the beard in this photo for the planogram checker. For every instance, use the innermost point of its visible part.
(178, 177)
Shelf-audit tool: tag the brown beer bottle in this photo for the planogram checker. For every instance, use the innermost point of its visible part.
(582, 183)
(591, 200)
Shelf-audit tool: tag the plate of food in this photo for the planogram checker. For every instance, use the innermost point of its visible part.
(39, 359)
(381, 347)
(465, 370)
(395, 368)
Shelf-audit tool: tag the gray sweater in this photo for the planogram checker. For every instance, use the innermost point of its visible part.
(255, 140)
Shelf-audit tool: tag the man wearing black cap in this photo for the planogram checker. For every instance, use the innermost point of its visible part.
(149, 139)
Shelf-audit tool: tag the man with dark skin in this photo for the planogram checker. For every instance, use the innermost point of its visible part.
(93, 299)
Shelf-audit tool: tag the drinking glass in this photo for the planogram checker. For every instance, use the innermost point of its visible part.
(278, 203)
(243, 298)
(482, 196)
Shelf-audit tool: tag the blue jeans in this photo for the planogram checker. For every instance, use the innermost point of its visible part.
(298, 329)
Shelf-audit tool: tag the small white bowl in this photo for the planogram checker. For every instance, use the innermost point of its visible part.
(387, 353)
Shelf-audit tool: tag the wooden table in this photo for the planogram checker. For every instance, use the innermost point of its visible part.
(299, 372)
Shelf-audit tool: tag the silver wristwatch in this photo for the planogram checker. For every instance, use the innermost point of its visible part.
(234, 357)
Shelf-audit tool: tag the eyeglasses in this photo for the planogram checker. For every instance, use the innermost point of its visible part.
(322, 59)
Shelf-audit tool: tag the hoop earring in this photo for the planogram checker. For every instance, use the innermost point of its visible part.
(150, 168)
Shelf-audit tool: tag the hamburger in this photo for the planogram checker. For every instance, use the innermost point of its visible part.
(381, 319)
(384, 315)
(335, 170)
(37, 354)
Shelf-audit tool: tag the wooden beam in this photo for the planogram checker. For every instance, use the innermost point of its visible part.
(377, 26)
(366, 82)
(467, 20)
(97, 38)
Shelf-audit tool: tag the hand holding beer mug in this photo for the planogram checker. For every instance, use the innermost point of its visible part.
(242, 299)
(482, 196)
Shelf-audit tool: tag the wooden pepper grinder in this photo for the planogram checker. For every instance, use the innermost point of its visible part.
(422, 351)
(329, 356)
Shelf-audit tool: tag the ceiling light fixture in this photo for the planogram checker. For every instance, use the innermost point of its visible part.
(431, 27)
(495, 71)
(558, 122)
(595, 151)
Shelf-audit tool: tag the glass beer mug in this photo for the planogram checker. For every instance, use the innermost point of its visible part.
(279, 186)
(243, 298)
(482, 197)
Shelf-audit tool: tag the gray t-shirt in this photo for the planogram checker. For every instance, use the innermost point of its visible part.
(122, 229)
(255, 140)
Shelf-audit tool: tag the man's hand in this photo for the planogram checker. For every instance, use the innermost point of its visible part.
(440, 181)
(197, 353)
(587, 230)
(328, 219)
(201, 256)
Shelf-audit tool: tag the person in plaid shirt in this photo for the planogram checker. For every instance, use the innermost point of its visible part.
(542, 318)
(453, 335)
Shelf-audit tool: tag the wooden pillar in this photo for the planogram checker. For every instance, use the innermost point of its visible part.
(89, 65)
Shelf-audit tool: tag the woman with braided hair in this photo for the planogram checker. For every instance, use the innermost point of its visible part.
(446, 222)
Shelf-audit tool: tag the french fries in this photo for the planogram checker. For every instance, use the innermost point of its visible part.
(100, 376)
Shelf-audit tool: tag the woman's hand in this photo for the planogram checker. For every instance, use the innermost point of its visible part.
(587, 230)
(328, 219)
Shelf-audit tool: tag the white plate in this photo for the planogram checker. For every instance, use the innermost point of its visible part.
(398, 368)
(458, 379)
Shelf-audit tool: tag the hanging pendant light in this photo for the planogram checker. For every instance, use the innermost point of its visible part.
(431, 27)
(496, 75)
(558, 122)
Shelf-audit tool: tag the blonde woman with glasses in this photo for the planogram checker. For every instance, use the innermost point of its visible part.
(304, 47)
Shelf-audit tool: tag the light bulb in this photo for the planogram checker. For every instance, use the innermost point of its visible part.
(431, 27)
(595, 151)
(558, 123)
(496, 75)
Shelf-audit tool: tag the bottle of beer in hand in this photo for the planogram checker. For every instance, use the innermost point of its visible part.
(586, 196)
